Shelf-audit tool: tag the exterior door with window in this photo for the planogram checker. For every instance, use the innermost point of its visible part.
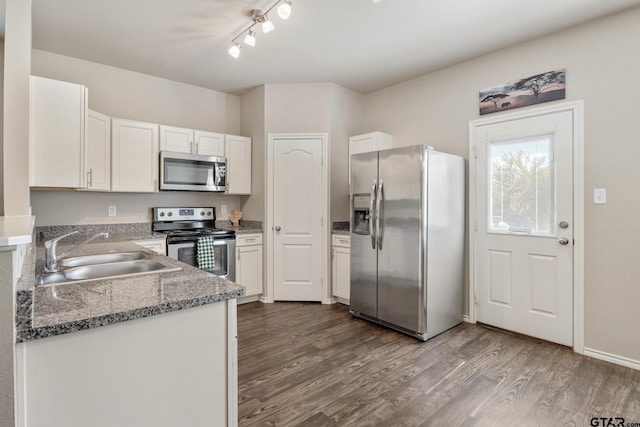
(524, 230)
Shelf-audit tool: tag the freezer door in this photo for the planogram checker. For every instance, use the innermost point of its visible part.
(401, 294)
(364, 263)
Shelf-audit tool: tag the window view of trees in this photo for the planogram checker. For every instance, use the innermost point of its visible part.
(521, 191)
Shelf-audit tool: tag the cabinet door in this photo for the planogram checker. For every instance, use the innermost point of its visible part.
(249, 268)
(209, 143)
(179, 140)
(159, 246)
(341, 272)
(366, 143)
(238, 152)
(57, 133)
(98, 152)
(134, 156)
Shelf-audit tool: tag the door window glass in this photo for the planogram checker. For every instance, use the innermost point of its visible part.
(521, 186)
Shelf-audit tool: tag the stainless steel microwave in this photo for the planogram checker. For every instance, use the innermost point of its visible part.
(192, 172)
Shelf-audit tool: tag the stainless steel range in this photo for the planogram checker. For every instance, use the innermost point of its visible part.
(184, 226)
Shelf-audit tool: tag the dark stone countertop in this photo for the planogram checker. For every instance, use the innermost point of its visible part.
(48, 310)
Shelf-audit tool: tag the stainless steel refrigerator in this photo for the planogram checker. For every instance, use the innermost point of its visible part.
(407, 239)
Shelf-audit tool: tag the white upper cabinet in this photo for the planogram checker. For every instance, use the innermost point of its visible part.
(183, 140)
(176, 139)
(58, 113)
(367, 142)
(238, 153)
(134, 156)
(209, 143)
(98, 152)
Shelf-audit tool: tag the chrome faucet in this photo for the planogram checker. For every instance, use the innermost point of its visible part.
(51, 258)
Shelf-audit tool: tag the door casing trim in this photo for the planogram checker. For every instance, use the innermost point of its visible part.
(577, 110)
(268, 295)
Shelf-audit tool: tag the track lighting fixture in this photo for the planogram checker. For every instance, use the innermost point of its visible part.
(259, 17)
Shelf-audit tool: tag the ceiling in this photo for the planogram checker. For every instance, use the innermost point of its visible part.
(357, 44)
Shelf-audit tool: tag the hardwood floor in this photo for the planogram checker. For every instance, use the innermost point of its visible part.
(305, 364)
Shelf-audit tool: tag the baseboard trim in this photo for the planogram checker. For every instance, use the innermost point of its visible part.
(466, 318)
(612, 358)
(250, 298)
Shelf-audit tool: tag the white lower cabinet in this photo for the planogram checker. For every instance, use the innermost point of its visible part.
(171, 369)
(159, 246)
(249, 263)
(341, 266)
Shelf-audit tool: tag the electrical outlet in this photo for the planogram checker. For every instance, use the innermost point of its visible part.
(223, 209)
(112, 210)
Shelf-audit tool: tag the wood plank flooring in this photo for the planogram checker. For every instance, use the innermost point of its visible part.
(307, 364)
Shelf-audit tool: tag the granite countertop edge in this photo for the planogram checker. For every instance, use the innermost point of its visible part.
(28, 301)
(31, 334)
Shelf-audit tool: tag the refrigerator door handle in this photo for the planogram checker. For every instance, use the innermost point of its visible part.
(380, 213)
(372, 215)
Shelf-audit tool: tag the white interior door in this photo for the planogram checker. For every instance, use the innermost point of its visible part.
(524, 232)
(298, 210)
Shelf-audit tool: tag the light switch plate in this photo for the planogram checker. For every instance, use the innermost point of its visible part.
(599, 196)
(112, 211)
(223, 209)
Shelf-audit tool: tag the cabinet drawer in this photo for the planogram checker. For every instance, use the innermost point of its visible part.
(248, 239)
(341, 240)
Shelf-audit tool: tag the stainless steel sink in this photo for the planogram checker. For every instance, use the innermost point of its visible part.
(101, 259)
(112, 269)
(104, 266)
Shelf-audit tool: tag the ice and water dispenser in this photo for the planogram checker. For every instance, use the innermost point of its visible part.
(361, 214)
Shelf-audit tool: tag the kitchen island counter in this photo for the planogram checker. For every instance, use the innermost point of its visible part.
(44, 311)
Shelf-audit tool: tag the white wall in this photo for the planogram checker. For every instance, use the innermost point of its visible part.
(320, 107)
(252, 123)
(126, 94)
(347, 120)
(73, 207)
(17, 68)
(1, 127)
(602, 61)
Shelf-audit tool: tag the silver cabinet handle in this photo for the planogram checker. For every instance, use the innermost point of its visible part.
(563, 241)
(278, 228)
(379, 213)
(372, 215)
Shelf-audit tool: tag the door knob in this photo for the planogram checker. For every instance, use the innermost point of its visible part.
(278, 228)
(563, 241)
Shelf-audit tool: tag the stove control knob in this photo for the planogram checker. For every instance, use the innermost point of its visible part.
(202, 213)
(209, 213)
(161, 213)
(170, 214)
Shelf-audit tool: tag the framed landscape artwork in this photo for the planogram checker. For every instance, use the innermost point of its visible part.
(543, 87)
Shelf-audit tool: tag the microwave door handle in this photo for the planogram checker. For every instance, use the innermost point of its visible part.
(372, 215)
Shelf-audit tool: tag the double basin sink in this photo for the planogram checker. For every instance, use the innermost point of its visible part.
(103, 266)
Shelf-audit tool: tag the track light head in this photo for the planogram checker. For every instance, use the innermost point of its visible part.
(234, 50)
(284, 10)
(267, 26)
(250, 38)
